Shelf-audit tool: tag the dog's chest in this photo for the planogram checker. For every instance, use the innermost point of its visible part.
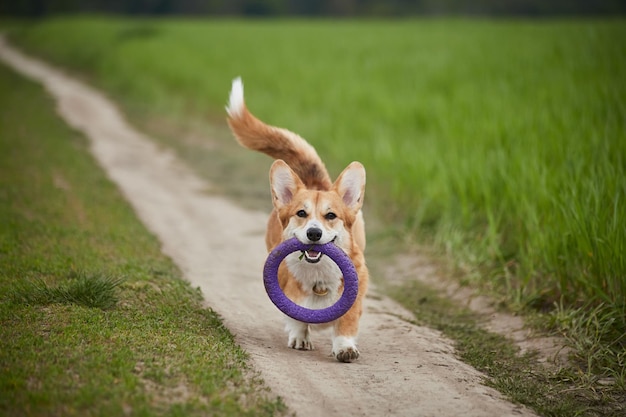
(321, 280)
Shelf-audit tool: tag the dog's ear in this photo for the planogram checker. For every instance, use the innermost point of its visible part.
(350, 185)
(284, 183)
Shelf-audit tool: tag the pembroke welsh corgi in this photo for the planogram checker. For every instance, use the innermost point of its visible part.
(308, 206)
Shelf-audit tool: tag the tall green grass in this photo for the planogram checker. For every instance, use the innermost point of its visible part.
(504, 142)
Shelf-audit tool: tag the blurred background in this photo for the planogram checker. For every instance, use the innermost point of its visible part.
(339, 8)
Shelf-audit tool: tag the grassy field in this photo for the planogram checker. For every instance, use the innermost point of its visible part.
(94, 320)
(503, 143)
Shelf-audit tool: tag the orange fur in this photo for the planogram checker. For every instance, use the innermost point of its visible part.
(305, 199)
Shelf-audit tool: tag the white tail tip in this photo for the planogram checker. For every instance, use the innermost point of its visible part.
(235, 101)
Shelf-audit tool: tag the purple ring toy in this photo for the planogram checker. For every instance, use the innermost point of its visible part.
(295, 311)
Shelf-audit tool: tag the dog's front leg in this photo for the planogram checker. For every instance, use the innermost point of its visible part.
(299, 334)
(345, 331)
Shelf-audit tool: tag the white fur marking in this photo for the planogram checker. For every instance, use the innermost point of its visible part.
(324, 272)
(299, 334)
(235, 101)
(345, 346)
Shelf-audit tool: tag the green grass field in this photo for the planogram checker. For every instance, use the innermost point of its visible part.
(502, 143)
(94, 319)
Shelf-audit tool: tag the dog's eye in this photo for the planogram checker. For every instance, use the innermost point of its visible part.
(330, 216)
(301, 213)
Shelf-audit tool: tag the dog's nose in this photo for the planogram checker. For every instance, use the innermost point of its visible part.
(314, 234)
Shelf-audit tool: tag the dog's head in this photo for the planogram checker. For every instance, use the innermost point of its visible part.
(314, 216)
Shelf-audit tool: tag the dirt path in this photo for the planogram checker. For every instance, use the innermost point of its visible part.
(404, 370)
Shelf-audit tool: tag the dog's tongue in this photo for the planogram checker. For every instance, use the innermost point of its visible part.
(312, 253)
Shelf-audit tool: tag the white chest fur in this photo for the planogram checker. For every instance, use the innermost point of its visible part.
(321, 281)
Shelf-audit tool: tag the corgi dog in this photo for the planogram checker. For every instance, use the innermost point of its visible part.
(315, 210)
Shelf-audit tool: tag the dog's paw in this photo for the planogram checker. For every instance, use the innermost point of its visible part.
(299, 335)
(348, 355)
(344, 349)
(300, 342)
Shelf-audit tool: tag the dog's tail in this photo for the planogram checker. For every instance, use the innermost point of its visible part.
(278, 143)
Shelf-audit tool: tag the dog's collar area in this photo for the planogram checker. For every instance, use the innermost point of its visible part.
(320, 290)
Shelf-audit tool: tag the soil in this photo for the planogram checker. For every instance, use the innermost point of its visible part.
(404, 369)
(550, 350)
